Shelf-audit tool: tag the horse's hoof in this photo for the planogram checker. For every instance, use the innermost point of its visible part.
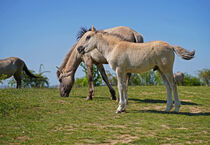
(89, 98)
(176, 110)
(118, 111)
(113, 98)
(168, 108)
(117, 100)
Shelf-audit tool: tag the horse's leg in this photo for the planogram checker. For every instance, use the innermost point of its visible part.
(17, 77)
(169, 105)
(172, 83)
(104, 76)
(122, 90)
(182, 82)
(89, 63)
(128, 76)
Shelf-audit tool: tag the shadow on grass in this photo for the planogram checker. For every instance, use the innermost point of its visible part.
(159, 101)
(94, 98)
(180, 113)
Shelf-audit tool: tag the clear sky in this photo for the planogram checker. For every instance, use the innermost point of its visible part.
(42, 31)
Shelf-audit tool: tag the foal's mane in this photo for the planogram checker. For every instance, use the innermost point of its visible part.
(120, 37)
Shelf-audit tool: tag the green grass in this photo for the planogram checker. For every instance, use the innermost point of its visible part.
(41, 116)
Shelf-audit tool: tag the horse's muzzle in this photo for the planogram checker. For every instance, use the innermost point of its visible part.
(81, 49)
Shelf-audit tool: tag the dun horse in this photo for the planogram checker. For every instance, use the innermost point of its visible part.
(72, 60)
(179, 78)
(124, 57)
(14, 66)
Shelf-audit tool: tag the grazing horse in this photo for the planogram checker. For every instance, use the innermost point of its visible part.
(124, 57)
(72, 60)
(14, 66)
(179, 78)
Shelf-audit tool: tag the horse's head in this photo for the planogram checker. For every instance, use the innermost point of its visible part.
(87, 41)
(66, 82)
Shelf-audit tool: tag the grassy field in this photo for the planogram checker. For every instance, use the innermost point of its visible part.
(41, 116)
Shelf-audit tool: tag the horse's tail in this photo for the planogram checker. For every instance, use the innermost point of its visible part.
(28, 72)
(183, 53)
(138, 37)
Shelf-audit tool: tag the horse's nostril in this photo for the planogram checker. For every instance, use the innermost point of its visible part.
(80, 49)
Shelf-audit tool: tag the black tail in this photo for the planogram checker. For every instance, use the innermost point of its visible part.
(28, 72)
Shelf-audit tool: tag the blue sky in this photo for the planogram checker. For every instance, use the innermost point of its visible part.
(42, 31)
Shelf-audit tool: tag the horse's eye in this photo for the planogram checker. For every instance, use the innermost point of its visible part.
(88, 37)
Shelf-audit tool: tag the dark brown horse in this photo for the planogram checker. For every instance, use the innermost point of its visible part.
(72, 60)
(14, 66)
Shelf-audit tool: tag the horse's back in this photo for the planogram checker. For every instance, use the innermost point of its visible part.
(10, 65)
(127, 33)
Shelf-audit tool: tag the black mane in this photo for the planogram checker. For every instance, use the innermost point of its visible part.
(82, 31)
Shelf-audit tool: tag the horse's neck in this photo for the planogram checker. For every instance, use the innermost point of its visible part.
(73, 62)
(105, 45)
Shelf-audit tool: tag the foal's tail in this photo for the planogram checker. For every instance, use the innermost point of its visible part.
(28, 72)
(183, 53)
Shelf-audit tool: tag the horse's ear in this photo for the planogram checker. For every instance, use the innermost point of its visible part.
(93, 29)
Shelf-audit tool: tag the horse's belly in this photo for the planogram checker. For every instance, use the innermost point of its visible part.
(7, 70)
(140, 67)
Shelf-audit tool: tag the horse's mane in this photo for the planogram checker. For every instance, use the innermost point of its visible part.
(67, 57)
(81, 32)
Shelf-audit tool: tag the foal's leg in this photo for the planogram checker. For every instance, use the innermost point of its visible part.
(169, 92)
(122, 90)
(172, 83)
(104, 76)
(17, 77)
(127, 81)
(89, 63)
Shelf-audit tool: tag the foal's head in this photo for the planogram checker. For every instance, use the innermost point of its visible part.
(87, 41)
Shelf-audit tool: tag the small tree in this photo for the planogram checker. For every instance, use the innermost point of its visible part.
(190, 80)
(2, 77)
(147, 78)
(111, 78)
(204, 75)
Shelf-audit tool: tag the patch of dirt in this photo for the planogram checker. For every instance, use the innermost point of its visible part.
(158, 107)
(68, 128)
(165, 126)
(62, 101)
(22, 138)
(100, 126)
(195, 109)
(187, 100)
(153, 107)
(126, 138)
(182, 128)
